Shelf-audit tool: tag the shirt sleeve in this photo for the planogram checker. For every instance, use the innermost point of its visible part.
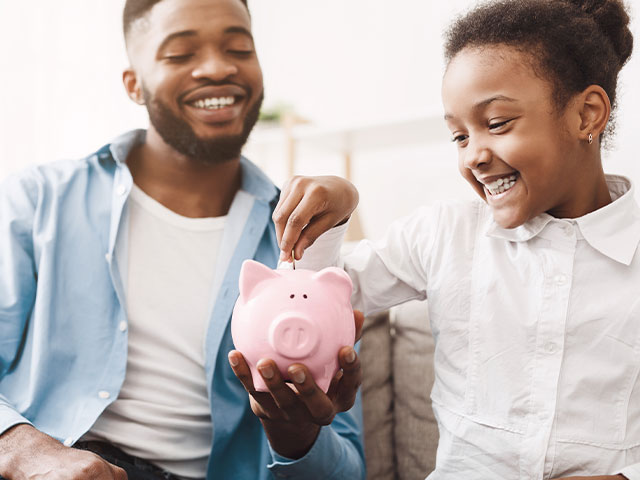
(387, 272)
(17, 280)
(336, 454)
(632, 472)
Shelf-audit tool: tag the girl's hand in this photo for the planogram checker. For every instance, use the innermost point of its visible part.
(308, 207)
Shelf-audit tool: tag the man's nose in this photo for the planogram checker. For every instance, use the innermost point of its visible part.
(476, 155)
(214, 66)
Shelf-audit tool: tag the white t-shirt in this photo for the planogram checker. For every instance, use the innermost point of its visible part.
(162, 413)
(537, 331)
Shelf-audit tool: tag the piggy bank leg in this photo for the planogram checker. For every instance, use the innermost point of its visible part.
(323, 383)
(258, 381)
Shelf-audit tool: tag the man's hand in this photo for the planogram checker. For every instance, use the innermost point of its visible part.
(308, 207)
(599, 477)
(27, 454)
(292, 415)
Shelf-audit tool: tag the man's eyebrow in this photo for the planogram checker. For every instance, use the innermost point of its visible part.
(484, 103)
(173, 36)
(241, 30)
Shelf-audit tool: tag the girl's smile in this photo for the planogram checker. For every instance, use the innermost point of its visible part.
(519, 151)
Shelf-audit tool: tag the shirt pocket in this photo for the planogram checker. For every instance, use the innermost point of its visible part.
(599, 392)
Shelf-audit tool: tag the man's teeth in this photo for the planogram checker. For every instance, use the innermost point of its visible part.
(501, 185)
(214, 103)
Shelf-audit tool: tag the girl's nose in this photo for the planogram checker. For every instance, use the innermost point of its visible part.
(477, 156)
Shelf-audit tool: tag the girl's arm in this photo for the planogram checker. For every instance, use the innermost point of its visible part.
(386, 273)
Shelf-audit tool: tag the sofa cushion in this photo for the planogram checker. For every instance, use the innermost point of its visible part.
(415, 427)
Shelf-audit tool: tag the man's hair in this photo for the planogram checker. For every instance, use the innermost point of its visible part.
(573, 43)
(135, 9)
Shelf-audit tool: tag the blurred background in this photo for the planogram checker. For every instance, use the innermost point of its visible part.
(354, 85)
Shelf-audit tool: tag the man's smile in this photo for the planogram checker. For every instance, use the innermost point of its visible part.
(216, 104)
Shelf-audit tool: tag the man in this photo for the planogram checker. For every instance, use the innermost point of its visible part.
(118, 275)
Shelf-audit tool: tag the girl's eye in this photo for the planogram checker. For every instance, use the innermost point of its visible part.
(459, 138)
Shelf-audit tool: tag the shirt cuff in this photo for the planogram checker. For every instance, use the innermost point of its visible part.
(325, 251)
(632, 472)
(320, 462)
(9, 417)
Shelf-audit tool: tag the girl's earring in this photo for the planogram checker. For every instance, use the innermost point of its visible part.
(590, 139)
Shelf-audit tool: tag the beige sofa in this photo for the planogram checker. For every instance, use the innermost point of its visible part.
(401, 435)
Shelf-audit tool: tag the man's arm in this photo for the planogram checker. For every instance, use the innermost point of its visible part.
(25, 452)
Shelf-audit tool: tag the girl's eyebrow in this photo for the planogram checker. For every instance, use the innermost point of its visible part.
(485, 103)
(496, 98)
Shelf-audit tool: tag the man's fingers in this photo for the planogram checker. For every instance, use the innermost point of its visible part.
(351, 378)
(262, 403)
(333, 386)
(118, 473)
(282, 395)
(241, 370)
(318, 404)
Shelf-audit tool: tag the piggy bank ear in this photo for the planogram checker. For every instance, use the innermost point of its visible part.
(337, 279)
(253, 273)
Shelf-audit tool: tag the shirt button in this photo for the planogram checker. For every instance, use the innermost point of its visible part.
(121, 190)
(550, 348)
(103, 394)
(108, 257)
(68, 442)
(122, 326)
(568, 230)
(560, 279)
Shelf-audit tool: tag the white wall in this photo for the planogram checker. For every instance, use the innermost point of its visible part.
(335, 61)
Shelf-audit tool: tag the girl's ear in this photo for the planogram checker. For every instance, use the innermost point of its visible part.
(132, 86)
(595, 110)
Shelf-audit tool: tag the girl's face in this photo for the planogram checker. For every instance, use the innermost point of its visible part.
(514, 146)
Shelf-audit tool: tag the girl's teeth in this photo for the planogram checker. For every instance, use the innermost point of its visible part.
(501, 185)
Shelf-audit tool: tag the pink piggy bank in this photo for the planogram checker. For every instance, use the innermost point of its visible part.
(293, 316)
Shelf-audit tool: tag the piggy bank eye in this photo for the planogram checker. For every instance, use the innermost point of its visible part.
(304, 296)
(292, 296)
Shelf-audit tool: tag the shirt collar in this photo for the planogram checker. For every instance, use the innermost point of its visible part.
(613, 230)
(254, 181)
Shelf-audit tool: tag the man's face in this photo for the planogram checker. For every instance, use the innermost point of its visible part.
(196, 68)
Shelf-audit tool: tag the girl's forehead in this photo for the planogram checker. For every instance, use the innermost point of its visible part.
(492, 70)
(491, 60)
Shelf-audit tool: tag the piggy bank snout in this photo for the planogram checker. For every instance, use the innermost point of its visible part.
(294, 335)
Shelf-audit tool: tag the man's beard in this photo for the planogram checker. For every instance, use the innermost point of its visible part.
(179, 135)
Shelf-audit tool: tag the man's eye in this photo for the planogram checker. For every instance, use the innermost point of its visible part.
(178, 58)
(498, 125)
(241, 53)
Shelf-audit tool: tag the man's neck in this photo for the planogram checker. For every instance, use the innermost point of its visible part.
(186, 186)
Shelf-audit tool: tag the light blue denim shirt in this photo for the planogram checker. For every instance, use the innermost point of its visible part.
(62, 356)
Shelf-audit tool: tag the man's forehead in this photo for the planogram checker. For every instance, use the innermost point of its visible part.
(170, 16)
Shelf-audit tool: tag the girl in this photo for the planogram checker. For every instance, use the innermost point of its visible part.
(534, 292)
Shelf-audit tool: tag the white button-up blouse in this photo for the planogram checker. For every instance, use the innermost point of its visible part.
(537, 333)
